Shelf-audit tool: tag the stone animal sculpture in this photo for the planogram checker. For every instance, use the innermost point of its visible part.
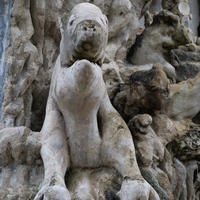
(146, 92)
(84, 35)
(164, 34)
(81, 128)
(150, 152)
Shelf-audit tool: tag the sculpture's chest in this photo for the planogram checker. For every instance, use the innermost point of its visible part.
(79, 91)
(80, 87)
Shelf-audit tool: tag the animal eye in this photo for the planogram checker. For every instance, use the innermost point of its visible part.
(71, 22)
(106, 21)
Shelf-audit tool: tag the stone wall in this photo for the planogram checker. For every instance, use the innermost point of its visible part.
(152, 78)
(194, 6)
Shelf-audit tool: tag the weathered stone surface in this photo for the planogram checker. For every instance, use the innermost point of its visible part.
(20, 145)
(186, 62)
(104, 182)
(147, 92)
(159, 39)
(33, 36)
(75, 135)
(92, 150)
(5, 10)
(21, 168)
(84, 35)
(150, 152)
(42, 35)
(187, 147)
(183, 101)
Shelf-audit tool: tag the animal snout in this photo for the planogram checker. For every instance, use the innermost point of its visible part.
(89, 25)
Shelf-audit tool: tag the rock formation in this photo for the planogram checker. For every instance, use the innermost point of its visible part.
(148, 53)
(159, 42)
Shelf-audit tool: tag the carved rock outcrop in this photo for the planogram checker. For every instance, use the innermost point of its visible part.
(21, 165)
(153, 82)
(164, 34)
(186, 61)
(146, 92)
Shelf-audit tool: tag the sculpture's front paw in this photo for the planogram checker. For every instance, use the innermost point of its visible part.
(56, 192)
(137, 189)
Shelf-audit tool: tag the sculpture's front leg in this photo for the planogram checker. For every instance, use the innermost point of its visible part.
(118, 150)
(55, 155)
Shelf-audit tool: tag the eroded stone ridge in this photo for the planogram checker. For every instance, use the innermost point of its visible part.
(156, 91)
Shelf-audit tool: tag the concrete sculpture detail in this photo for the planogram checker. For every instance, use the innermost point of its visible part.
(81, 127)
(99, 99)
(84, 35)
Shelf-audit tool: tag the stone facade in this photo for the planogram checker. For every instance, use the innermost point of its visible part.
(151, 75)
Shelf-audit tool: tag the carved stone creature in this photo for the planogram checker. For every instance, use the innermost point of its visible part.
(150, 152)
(77, 104)
(181, 106)
(83, 130)
(164, 34)
(186, 151)
(148, 144)
(84, 35)
(147, 93)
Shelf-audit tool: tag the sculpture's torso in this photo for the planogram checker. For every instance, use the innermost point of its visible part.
(78, 93)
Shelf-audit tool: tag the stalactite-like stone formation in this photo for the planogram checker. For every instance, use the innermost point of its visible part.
(151, 70)
(5, 11)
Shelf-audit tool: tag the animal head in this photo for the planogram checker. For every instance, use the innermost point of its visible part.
(84, 35)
